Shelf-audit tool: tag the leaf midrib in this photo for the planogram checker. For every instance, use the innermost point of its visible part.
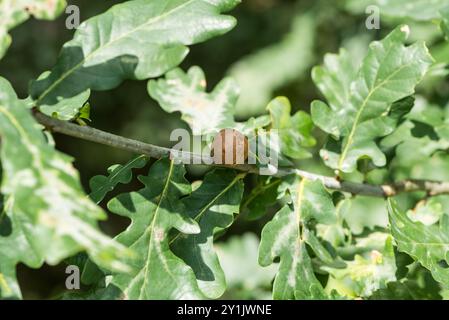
(36, 160)
(260, 191)
(298, 211)
(81, 63)
(360, 112)
(151, 230)
(22, 132)
(113, 176)
(299, 200)
(4, 285)
(208, 205)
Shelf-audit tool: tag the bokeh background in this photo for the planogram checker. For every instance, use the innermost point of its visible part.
(270, 52)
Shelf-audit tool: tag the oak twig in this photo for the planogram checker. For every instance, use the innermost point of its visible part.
(91, 134)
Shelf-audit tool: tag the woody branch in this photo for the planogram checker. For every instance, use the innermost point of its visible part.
(94, 135)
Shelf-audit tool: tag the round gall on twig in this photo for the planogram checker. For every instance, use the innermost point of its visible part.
(230, 147)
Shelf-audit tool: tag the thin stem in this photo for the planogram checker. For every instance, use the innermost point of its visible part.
(432, 188)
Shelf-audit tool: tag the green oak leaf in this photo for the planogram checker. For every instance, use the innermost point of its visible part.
(417, 157)
(365, 213)
(435, 167)
(309, 198)
(294, 131)
(213, 205)
(428, 113)
(285, 237)
(362, 105)
(416, 10)
(9, 287)
(429, 245)
(366, 273)
(407, 290)
(419, 10)
(84, 115)
(137, 39)
(262, 196)
(185, 92)
(155, 211)
(431, 121)
(425, 131)
(14, 12)
(334, 80)
(418, 284)
(205, 113)
(414, 154)
(250, 126)
(427, 212)
(101, 185)
(14, 248)
(295, 278)
(336, 233)
(50, 215)
(420, 143)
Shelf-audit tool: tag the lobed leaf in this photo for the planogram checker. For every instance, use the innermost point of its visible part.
(294, 131)
(213, 206)
(366, 273)
(420, 10)
(50, 216)
(14, 12)
(173, 234)
(101, 185)
(261, 197)
(427, 244)
(137, 39)
(418, 140)
(428, 212)
(185, 92)
(362, 107)
(285, 237)
(154, 211)
(416, 10)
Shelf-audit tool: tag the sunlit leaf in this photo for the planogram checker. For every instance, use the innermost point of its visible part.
(285, 237)
(14, 12)
(429, 245)
(366, 273)
(421, 10)
(186, 92)
(294, 131)
(362, 106)
(50, 216)
(154, 212)
(137, 39)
